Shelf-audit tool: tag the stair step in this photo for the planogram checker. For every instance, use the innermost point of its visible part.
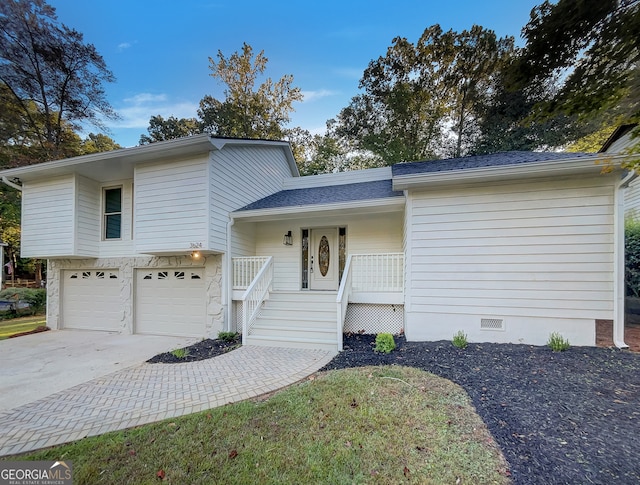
(270, 314)
(295, 342)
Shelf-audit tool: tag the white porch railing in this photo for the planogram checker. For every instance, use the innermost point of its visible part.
(245, 270)
(342, 300)
(256, 293)
(369, 273)
(373, 273)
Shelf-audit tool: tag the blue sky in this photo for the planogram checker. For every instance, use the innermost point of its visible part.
(159, 50)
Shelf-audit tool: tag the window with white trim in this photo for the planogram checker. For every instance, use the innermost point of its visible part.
(112, 210)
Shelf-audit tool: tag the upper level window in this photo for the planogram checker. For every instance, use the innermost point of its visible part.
(113, 213)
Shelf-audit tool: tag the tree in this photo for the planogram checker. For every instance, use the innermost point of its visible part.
(161, 129)
(590, 48)
(52, 82)
(416, 93)
(248, 111)
(98, 143)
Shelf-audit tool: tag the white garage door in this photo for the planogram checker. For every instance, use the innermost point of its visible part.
(170, 302)
(91, 299)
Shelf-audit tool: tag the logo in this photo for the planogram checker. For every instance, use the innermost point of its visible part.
(36, 473)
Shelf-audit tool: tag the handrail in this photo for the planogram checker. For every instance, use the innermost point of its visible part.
(245, 270)
(255, 295)
(342, 299)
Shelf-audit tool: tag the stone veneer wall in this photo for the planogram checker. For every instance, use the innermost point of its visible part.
(126, 266)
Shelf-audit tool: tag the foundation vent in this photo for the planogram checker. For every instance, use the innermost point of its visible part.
(491, 324)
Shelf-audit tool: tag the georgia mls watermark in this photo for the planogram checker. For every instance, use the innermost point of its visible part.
(36, 473)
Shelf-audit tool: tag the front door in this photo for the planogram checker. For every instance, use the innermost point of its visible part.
(323, 259)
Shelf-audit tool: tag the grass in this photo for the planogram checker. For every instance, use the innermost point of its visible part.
(19, 325)
(372, 424)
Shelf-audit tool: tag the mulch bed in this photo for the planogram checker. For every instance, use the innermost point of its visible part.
(38, 329)
(559, 417)
(205, 349)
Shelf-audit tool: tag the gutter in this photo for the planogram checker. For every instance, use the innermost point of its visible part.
(8, 182)
(619, 262)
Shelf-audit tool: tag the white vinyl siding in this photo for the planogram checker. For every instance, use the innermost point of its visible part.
(538, 250)
(48, 211)
(241, 175)
(87, 216)
(366, 233)
(171, 206)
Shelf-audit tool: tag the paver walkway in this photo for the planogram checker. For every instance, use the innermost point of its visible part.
(152, 392)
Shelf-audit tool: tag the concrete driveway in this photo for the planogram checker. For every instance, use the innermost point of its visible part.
(35, 366)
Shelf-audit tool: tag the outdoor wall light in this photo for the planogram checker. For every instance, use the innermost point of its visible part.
(195, 254)
(288, 239)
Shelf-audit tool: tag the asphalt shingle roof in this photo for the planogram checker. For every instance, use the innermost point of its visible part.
(362, 191)
(480, 161)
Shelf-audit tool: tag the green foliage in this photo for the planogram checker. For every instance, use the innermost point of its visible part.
(162, 130)
(36, 297)
(180, 353)
(52, 82)
(460, 340)
(228, 336)
(385, 343)
(589, 51)
(418, 93)
(557, 342)
(632, 257)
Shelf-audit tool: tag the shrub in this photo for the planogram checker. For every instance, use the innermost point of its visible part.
(180, 353)
(460, 340)
(385, 343)
(557, 342)
(632, 257)
(228, 336)
(35, 297)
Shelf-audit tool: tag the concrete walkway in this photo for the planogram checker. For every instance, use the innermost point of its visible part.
(152, 392)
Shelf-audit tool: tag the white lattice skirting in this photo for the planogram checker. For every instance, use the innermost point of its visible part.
(372, 318)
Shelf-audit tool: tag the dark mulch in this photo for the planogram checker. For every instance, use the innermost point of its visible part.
(205, 349)
(565, 417)
(38, 329)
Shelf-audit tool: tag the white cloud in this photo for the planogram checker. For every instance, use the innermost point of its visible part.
(321, 93)
(136, 111)
(124, 45)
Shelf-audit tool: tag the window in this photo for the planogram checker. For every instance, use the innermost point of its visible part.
(112, 213)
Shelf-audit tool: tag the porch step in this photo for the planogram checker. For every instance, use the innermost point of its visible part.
(293, 342)
(297, 319)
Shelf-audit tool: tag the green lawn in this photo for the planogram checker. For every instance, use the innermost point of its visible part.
(19, 325)
(384, 425)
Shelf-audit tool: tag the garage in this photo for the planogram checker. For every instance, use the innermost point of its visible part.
(91, 300)
(170, 301)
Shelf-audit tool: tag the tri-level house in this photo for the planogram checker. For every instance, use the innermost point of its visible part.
(203, 234)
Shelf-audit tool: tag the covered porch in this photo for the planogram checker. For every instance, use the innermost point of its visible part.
(369, 299)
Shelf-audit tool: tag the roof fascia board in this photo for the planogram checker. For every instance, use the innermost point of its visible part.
(389, 203)
(523, 170)
(339, 178)
(164, 149)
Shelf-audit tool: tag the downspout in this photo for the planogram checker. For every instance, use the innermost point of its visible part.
(619, 263)
(228, 278)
